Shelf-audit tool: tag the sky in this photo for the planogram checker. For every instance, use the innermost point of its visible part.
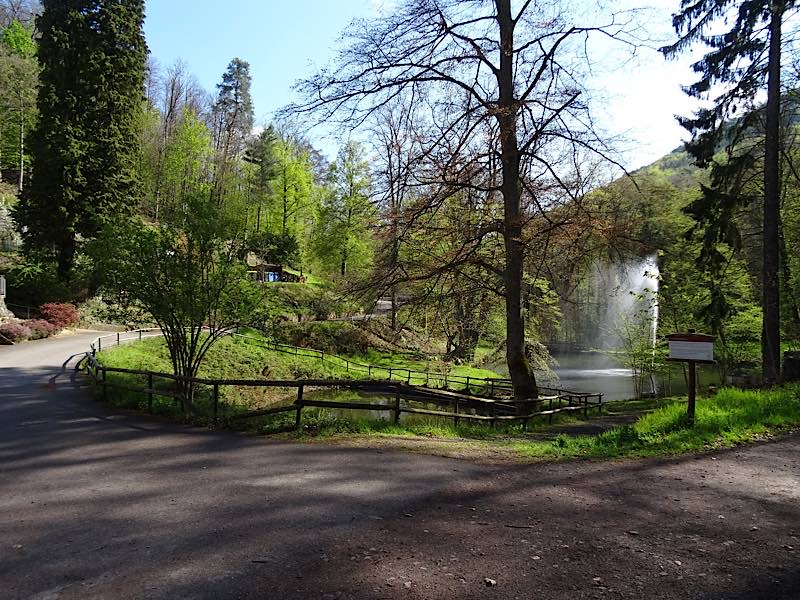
(284, 41)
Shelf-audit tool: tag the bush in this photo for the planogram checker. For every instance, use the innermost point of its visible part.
(60, 315)
(15, 332)
(40, 328)
(328, 336)
(103, 311)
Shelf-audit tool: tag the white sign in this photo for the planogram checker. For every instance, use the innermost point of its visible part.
(691, 346)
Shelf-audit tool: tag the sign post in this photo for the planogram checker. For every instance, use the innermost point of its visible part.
(691, 348)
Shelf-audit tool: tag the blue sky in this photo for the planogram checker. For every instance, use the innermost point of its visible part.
(282, 40)
(286, 40)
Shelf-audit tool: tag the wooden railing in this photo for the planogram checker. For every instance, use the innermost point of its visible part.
(399, 396)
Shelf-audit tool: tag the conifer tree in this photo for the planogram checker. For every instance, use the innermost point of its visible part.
(85, 145)
(743, 61)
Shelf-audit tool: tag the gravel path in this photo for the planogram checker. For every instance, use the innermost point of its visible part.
(95, 504)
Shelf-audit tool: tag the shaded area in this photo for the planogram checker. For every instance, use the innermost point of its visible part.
(99, 504)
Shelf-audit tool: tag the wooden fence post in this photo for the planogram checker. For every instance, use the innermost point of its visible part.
(299, 403)
(149, 392)
(467, 388)
(456, 420)
(105, 394)
(491, 388)
(216, 400)
(397, 404)
(390, 373)
(140, 335)
(99, 344)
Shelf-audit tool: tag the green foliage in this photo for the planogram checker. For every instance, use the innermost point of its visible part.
(85, 145)
(18, 39)
(185, 272)
(341, 237)
(275, 248)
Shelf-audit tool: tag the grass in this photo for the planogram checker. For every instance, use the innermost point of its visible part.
(730, 417)
(236, 358)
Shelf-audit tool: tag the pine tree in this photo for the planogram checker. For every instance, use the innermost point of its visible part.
(233, 119)
(744, 61)
(85, 145)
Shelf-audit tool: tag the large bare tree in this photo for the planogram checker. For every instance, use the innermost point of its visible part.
(478, 68)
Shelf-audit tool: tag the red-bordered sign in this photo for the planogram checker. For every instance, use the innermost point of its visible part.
(691, 347)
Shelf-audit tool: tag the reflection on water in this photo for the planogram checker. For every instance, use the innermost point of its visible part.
(593, 372)
(600, 373)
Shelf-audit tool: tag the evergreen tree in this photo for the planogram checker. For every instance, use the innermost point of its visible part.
(84, 148)
(744, 61)
(233, 120)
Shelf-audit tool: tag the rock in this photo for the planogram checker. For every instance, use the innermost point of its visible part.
(489, 582)
(632, 532)
(407, 585)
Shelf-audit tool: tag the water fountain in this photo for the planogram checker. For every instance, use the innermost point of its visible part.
(627, 310)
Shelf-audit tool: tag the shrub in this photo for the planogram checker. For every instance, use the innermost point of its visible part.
(15, 332)
(60, 315)
(40, 328)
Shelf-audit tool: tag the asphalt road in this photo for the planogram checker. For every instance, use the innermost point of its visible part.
(95, 504)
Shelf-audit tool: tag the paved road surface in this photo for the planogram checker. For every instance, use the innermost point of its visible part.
(99, 505)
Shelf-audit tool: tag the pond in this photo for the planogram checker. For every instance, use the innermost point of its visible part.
(602, 373)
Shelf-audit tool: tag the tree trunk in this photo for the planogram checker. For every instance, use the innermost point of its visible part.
(771, 335)
(519, 368)
(66, 257)
(21, 146)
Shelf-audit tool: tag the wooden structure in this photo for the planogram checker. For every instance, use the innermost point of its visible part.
(264, 272)
(691, 348)
(396, 396)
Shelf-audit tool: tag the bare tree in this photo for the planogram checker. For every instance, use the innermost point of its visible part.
(481, 66)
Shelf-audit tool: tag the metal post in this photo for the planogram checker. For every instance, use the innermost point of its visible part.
(150, 392)
(299, 403)
(118, 338)
(99, 344)
(140, 335)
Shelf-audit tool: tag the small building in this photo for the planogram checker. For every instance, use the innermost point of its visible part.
(263, 272)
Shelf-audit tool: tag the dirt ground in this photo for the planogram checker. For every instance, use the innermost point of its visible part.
(723, 525)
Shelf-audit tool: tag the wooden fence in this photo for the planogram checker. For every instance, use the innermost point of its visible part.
(398, 395)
